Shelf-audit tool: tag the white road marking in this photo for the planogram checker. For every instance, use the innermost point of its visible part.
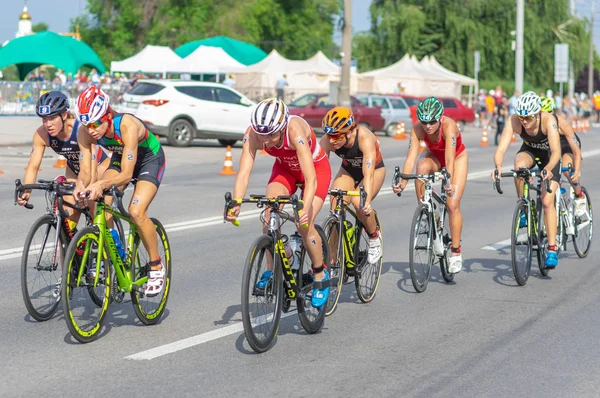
(196, 340)
(498, 245)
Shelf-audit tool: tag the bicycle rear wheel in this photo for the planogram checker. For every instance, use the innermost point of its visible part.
(311, 318)
(148, 309)
(539, 235)
(367, 276)
(261, 305)
(447, 242)
(420, 256)
(336, 261)
(40, 271)
(521, 245)
(582, 240)
(84, 318)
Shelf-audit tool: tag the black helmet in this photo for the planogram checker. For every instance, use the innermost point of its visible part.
(52, 103)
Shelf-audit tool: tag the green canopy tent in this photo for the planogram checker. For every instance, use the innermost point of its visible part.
(49, 48)
(242, 52)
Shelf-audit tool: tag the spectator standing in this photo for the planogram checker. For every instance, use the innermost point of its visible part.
(280, 87)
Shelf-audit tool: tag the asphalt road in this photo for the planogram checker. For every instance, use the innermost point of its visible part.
(482, 336)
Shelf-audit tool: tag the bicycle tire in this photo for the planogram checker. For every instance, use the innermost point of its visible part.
(539, 236)
(148, 309)
(366, 292)
(42, 304)
(72, 270)
(582, 249)
(421, 213)
(273, 291)
(447, 241)
(336, 270)
(521, 273)
(311, 318)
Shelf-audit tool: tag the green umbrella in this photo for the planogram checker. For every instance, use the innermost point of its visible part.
(49, 48)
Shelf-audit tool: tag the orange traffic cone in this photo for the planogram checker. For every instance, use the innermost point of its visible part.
(61, 163)
(586, 124)
(484, 138)
(514, 138)
(228, 164)
(263, 152)
(421, 146)
(400, 132)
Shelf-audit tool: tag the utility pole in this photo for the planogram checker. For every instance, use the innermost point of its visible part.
(591, 60)
(571, 92)
(344, 97)
(519, 52)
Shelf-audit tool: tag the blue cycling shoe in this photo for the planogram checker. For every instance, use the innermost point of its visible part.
(523, 220)
(551, 258)
(264, 279)
(320, 296)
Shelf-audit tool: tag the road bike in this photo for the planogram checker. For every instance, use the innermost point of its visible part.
(348, 249)
(86, 299)
(430, 237)
(263, 302)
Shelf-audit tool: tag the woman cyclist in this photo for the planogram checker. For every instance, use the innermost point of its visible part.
(444, 149)
(58, 132)
(362, 164)
(541, 140)
(137, 157)
(299, 159)
(570, 146)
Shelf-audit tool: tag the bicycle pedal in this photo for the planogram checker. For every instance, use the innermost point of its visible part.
(287, 303)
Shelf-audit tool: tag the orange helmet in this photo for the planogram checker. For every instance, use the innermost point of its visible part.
(338, 120)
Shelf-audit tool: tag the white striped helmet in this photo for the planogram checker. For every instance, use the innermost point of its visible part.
(529, 104)
(269, 116)
(92, 104)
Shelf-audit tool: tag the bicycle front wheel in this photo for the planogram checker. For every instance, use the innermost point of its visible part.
(420, 256)
(539, 235)
(83, 316)
(262, 298)
(40, 272)
(311, 318)
(367, 276)
(521, 244)
(334, 233)
(447, 242)
(582, 240)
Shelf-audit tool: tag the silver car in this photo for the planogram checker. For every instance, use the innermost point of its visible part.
(393, 109)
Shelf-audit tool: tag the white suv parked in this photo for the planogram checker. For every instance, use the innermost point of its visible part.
(182, 110)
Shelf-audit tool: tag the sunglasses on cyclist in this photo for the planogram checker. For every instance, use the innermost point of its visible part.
(430, 122)
(526, 118)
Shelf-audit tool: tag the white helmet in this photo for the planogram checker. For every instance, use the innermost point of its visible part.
(529, 104)
(269, 116)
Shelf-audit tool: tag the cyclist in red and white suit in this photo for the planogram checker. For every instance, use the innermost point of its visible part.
(299, 159)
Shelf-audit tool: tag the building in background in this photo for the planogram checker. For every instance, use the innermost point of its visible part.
(24, 24)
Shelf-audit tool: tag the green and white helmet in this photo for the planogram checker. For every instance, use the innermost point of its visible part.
(430, 110)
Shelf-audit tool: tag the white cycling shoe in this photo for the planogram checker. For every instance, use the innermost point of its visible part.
(455, 264)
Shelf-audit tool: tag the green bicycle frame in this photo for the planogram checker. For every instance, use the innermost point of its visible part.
(291, 285)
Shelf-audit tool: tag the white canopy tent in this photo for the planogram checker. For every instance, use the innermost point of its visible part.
(206, 60)
(415, 79)
(152, 59)
(430, 63)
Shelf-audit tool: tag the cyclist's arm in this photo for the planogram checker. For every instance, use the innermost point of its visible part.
(565, 129)
(299, 133)
(94, 174)
(250, 144)
(554, 141)
(130, 133)
(367, 145)
(450, 132)
(35, 157)
(504, 142)
(412, 152)
(85, 159)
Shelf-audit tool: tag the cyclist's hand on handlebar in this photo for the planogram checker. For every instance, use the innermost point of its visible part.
(575, 176)
(398, 188)
(497, 174)
(94, 191)
(451, 190)
(367, 209)
(23, 198)
(547, 176)
(233, 213)
(304, 215)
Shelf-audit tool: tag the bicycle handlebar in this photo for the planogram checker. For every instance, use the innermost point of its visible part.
(61, 188)
(361, 193)
(261, 201)
(522, 172)
(433, 177)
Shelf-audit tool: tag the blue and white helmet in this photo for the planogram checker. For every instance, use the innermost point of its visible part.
(528, 104)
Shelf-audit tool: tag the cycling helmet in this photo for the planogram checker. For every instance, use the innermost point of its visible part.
(92, 105)
(430, 110)
(339, 120)
(528, 104)
(52, 103)
(269, 116)
(548, 104)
